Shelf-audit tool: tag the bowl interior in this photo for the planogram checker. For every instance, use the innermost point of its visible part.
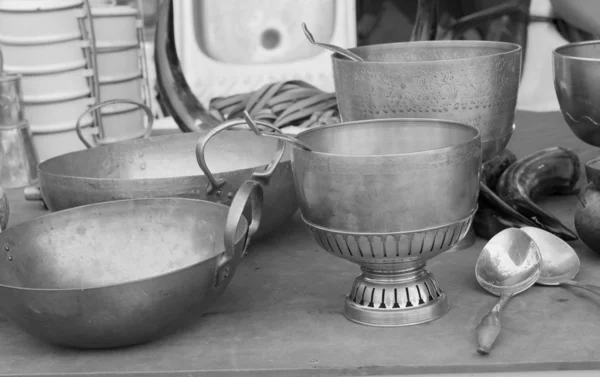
(585, 50)
(432, 51)
(387, 137)
(592, 170)
(111, 243)
(166, 156)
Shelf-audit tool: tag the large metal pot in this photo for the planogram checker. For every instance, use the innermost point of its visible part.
(387, 175)
(472, 82)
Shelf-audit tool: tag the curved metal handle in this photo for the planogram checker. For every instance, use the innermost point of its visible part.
(250, 191)
(582, 192)
(90, 110)
(201, 146)
(490, 325)
(588, 287)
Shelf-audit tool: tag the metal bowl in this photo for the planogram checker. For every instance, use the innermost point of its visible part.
(387, 175)
(592, 171)
(166, 166)
(472, 82)
(118, 273)
(388, 195)
(577, 85)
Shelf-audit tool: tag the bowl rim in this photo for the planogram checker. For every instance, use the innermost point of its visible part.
(43, 168)
(475, 139)
(166, 201)
(560, 51)
(514, 48)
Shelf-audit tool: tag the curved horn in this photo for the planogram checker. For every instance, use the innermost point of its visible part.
(174, 92)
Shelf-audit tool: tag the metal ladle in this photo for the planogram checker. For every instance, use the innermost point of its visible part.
(508, 264)
(560, 263)
(290, 139)
(340, 50)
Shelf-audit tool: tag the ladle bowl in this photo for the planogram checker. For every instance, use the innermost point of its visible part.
(472, 82)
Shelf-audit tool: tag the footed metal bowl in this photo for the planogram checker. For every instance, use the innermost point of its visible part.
(388, 195)
(472, 82)
(577, 85)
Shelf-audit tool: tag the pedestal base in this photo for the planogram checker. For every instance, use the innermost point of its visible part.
(398, 299)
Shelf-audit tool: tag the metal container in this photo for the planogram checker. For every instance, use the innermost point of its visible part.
(364, 176)
(167, 166)
(577, 85)
(388, 195)
(123, 272)
(472, 82)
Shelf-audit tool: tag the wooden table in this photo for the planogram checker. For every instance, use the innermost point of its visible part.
(282, 314)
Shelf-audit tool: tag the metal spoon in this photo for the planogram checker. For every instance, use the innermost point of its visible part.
(560, 263)
(340, 50)
(290, 139)
(508, 264)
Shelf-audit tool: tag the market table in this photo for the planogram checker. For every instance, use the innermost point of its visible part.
(282, 313)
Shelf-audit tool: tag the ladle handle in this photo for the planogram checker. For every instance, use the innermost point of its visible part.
(249, 193)
(489, 327)
(280, 136)
(147, 110)
(214, 183)
(588, 287)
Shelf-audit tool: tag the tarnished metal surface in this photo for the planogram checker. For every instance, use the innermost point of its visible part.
(166, 166)
(509, 263)
(116, 274)
(577, 85)
(394, 175)
(19, 159)
(472, 82)
(389, 194)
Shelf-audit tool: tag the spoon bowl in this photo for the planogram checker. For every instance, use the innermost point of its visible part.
(508, 265)
(560, 263)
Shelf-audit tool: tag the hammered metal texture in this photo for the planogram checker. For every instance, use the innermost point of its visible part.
(472, 82)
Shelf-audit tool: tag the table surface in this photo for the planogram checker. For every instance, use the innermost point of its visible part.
(282, 313)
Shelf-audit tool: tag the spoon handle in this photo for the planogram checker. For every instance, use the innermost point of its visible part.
(588, 287)
(489, 326)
